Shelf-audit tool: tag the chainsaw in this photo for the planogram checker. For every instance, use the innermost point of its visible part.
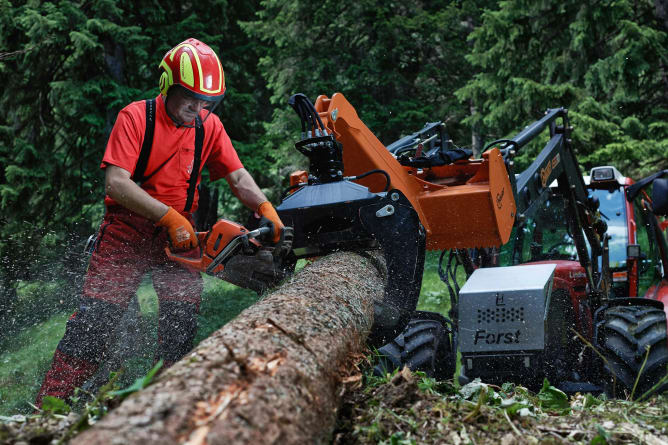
(243, 257)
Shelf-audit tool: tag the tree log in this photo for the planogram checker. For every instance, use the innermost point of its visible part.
(272, 375)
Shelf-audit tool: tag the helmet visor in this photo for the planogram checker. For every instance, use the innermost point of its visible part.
(197, 96)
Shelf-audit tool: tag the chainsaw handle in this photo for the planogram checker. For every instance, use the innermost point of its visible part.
(190, 260)
(259, 232)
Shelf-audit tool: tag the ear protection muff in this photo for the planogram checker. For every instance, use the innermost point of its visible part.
(165, 84)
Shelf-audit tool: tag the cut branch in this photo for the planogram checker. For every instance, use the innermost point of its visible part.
(272, 375)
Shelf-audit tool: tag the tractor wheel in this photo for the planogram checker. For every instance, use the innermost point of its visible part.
(626, 335)
(389, 357)
(425, 345)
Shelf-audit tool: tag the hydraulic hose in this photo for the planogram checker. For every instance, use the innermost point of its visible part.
(349, 178)
(371, 172)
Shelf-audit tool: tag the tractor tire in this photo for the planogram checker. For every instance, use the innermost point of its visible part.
(389, 357)
(425, 345)
(625, 334)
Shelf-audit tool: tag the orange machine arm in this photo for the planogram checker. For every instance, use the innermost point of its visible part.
(463, 205)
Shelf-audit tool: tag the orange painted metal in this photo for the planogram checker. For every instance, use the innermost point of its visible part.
(463, 205)
(296, 178)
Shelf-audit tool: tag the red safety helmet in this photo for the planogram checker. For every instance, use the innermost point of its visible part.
(196, 67)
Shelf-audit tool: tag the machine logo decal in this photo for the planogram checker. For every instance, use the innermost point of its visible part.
(546, 171)
(499, 198)
(496, 338)
(499, 299)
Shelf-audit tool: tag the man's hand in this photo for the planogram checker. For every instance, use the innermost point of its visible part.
(266, 210)
(181, 232)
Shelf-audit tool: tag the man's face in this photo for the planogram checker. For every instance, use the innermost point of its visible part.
(183, 107)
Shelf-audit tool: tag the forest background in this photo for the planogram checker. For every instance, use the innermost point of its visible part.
(486, 68)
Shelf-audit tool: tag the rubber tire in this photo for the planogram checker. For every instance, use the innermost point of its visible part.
(428, 349)
(625, 333)
(423, 346)
(389, 357)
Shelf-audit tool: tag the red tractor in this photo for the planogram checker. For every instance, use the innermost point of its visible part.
(638, 267)
(490, 321)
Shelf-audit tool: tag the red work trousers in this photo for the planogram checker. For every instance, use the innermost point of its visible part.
(128, 246)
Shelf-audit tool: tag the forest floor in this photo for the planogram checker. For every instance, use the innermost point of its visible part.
(403, 408)
(409, 408)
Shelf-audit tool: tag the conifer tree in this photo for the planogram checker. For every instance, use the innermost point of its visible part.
(604, 61)
(398, 63)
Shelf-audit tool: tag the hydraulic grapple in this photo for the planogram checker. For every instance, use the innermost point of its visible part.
(357, 195)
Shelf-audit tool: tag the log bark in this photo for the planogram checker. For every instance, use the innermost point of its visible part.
(272, 375)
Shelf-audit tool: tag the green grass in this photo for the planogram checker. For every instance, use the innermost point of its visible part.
(434, 296)
(26, 357)
(148, 299)
(24, 362)
(221, 302)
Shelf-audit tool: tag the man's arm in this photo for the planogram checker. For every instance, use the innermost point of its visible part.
(127, 193)
(245, 189)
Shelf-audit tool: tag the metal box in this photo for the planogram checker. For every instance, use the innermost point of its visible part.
(505, 309)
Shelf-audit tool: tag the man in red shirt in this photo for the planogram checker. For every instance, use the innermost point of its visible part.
(146, 210)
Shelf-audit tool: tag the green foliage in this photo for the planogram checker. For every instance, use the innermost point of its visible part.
(54, 405)
(68, 67)
(601, 438)
(430, 385)
(400, 408)
(605, 61)
(399, 438)
(140, 383)
(397, 63)
(553, 399)
(93, 410)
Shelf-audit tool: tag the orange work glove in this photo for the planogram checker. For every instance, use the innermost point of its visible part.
(181, 232)
(267, 210)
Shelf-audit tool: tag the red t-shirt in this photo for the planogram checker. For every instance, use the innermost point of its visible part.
(175, 147)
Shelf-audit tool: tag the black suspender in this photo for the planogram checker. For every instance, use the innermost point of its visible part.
(192, 182)
(145, 153)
